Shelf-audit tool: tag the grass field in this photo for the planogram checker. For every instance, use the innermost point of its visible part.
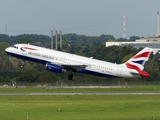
(80, 107)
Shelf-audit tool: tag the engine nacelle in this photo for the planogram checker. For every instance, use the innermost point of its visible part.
(54, 68)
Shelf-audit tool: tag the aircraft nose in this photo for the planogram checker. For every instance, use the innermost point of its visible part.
(7, 50)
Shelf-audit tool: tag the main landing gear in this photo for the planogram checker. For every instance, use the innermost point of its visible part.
(70, 76)
(22, 65)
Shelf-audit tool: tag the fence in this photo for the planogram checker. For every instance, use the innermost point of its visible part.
(76, 84)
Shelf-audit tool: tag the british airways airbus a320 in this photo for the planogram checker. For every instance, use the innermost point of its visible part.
(60, 62)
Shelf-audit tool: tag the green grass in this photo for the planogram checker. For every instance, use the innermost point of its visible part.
(80, 107)
(147, 88)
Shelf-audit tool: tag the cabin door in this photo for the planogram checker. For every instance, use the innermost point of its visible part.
(119, 70)
(24, 52)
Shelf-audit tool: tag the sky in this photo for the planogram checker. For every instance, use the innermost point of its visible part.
(82, 17)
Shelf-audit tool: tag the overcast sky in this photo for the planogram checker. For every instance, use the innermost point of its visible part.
(83, 17)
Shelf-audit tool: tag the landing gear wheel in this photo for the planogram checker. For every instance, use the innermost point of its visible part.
(22, 65)
(70, 76)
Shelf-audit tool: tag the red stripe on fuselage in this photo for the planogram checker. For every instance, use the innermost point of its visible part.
(29, 48)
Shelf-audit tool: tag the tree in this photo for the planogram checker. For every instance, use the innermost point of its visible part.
(126, 58)
(45, 78)
(110, 40)
(3, 46)
(133, 38)
(25, 40)
(28, 75)
(7, 65)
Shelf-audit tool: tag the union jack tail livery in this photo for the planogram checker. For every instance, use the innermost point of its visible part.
(138, 62)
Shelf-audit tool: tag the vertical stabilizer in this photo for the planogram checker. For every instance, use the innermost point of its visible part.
(138, 61)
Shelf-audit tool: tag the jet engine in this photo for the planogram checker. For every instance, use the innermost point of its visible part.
(54, 68)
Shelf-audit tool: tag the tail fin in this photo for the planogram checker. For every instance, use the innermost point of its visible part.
(138, 61)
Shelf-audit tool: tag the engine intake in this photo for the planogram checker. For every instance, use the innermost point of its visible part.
(54, 68)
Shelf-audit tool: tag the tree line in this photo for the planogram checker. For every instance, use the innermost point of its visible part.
(11, 70)
(70, 38)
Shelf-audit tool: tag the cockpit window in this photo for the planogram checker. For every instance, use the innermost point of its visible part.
(15, 47)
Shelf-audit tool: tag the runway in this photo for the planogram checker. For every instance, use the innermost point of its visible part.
(79, 93)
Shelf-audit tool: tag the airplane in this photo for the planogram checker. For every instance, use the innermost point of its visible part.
(59, 62)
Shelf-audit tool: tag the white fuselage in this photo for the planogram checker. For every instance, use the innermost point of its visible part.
(92, 66)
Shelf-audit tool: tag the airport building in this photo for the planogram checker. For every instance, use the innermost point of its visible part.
(141, 43)
(153, 42)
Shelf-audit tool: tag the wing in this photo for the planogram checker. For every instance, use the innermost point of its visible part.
(72, 67)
